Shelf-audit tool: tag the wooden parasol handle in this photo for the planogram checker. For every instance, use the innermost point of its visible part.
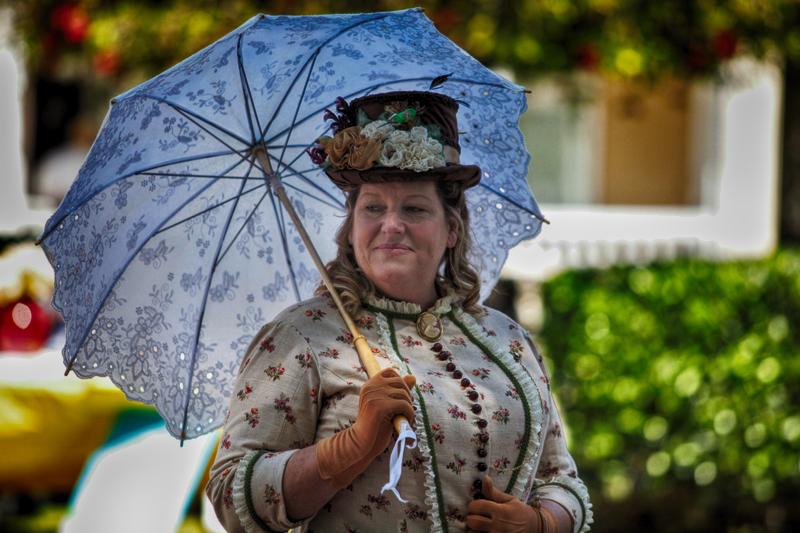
(359, 341)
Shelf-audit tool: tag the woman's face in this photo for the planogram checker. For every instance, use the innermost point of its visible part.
(399, 236)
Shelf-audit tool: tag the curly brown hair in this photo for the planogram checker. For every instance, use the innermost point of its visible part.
(457, 276)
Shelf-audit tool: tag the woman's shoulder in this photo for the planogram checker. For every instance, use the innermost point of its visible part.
(296, 325)
(498, 320)
(316, 311)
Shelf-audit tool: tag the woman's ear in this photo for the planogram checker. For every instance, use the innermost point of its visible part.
(452, 237)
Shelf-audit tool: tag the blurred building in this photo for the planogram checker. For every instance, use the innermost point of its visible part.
(635, 173)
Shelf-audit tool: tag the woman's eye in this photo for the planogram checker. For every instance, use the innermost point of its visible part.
(415, 209)
(373, 208)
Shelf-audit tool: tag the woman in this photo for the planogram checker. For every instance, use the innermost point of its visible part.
(305, 443)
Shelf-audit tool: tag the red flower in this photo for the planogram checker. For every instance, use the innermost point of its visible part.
(24, 325)
(106, 62)
(275, 372)
(724, 43)
(252, 417)
(244, 393)
(267, 345)
(72, 21)
(588, 59)
(446, 19)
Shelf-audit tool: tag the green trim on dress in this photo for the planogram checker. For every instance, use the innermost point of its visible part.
(574, 493)
(248, 495)
(428, 431)
(510, 375)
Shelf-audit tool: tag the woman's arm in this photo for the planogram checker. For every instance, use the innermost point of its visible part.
(304, 489)
(557, 485)
(314, 474)
(272, 417)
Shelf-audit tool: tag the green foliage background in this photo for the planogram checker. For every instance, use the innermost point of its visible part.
(130, 40)
(680, 383)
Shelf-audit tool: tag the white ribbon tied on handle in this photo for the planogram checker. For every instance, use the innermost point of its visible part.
(396, 459)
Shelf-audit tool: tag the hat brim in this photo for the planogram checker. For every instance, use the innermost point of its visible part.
(469, 175)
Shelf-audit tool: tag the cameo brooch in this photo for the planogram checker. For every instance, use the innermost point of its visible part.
(429, 326)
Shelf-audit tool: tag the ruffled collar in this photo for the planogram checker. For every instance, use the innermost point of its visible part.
(397, 307)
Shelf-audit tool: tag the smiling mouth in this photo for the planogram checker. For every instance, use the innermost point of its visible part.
(393, 248)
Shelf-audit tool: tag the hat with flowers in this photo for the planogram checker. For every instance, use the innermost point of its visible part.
(393, 136)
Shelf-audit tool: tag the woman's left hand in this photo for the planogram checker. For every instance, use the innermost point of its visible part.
(502, 513)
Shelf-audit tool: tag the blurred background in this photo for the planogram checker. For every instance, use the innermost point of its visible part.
(665, 144)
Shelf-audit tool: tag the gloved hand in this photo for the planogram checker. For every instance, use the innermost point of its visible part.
(503, 513)
(345, 455)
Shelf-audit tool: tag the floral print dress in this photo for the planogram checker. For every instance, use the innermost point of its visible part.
(482, 405)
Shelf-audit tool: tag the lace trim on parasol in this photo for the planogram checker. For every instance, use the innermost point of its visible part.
(532, 403)
(433, 494)
(578, 489)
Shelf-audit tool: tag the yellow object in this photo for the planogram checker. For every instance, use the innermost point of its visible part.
(50, 425)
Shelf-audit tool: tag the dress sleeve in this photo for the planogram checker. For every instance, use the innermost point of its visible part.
(273, 412)
(557, 476)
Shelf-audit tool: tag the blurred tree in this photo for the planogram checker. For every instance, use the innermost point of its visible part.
(680, 384)
(632, 39)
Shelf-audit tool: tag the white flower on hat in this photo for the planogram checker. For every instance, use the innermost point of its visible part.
(412, 150)
(377, 129)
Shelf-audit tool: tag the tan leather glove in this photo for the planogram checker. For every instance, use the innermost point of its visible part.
(503, 513)
(345, 455)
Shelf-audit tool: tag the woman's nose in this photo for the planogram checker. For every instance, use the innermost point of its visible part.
(392, 222)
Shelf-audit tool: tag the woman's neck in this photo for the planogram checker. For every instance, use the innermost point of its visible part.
(424, 298)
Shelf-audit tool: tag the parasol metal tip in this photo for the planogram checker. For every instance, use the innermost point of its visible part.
(545, 221)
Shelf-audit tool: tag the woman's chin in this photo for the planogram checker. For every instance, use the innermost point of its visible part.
(404, 284)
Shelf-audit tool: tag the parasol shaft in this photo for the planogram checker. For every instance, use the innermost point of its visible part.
(359, 341)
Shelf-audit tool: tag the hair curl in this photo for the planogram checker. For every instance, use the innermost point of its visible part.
(457, 275)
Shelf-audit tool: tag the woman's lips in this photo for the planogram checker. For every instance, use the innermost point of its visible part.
(393, 248)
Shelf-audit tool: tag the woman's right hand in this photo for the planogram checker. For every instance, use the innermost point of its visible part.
(345, 455)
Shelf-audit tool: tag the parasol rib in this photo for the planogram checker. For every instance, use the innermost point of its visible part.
(211, 208)
(199, 326)
(190, 117)
(514, 203)
(281, 232)
(244, 224)
(197, 119)
(67, 214)
(297, 107)
(128, 262)
(301, 174)
(246, 94)
(313, 197)
(199, 176)
(300, 72)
